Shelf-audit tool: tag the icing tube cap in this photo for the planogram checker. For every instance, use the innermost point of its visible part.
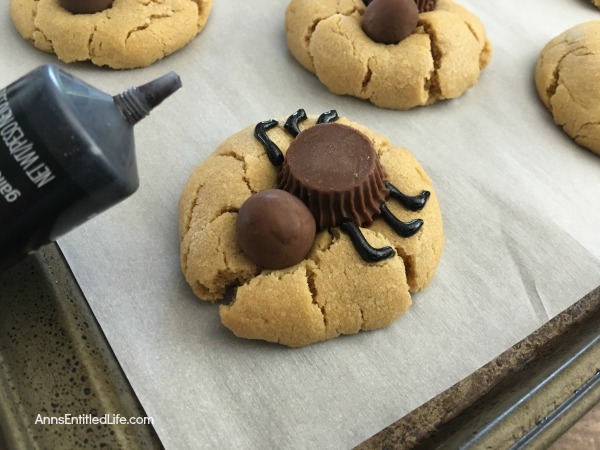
(136, 103)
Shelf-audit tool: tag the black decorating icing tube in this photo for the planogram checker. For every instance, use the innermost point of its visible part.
(67, 153)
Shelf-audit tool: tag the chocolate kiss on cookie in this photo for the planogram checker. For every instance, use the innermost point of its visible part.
(85, 6)
(390, 21)
(335, 170)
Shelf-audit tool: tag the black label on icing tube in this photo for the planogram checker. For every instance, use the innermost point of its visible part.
(25, 169)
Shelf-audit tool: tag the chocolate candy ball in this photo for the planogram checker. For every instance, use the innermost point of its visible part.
(275, 229)
(85, 6)
(390, 21)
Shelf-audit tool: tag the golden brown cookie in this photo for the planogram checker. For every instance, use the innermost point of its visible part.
(334, 290)
(440, 60)
(129, 34)
(567, 78)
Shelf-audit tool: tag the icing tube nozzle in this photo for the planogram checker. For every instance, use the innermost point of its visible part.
(136, 103)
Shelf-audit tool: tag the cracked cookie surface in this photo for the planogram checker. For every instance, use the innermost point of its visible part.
(567, 78)
(129, 34)
(440, 60)
(331, 292)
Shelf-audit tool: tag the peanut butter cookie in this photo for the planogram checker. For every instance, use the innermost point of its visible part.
(567, 78)
(125, 35)
(440, 59)
(375, 232)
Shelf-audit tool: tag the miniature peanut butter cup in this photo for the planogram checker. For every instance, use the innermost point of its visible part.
(335, 171)
(85, 6)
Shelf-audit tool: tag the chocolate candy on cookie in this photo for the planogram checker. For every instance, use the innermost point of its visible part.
(329, 166)
(426, 5)
(275, 229)
(334, 169)
(85, 6)
(389, 60)
(379, 229)
(390, 21)
(422, 5)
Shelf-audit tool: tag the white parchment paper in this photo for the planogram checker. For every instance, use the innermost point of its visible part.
(521, 207)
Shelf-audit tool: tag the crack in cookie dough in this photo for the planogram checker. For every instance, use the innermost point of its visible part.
(582, 131)
(440, 60)
(368, 75)
(90, 40)
(551, 89)
(129, 34)
(331, 292)
(433, 82)
(149, 22)
(556, 81)
(310, 279)
(564, 76)
(312, 14)
(196, 210)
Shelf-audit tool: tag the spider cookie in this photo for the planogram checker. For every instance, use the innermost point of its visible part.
(398, 54)
(567, 78)
(323, 227)
(121, 34)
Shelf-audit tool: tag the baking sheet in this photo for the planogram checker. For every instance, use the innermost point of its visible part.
(520, 203)
(54, 360)
(524, 398)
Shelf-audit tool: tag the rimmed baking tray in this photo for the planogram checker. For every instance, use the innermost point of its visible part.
(55, 361)
(524, 398)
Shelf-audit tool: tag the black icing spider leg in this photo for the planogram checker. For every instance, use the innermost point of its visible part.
(273, 152)
(328, 117)
(291, 124)
(366, 251)
(404, 229)
(412, 202)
